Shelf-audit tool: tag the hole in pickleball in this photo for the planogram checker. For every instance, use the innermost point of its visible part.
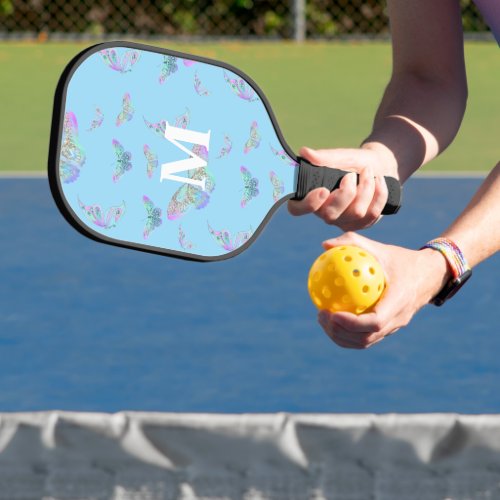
(327, 293)
(317, 276)
(348, 258)
(372, 270)
(362, 254)
(339, 281)
(360, 309)
(379, 287)
(356, 273)
(330, 268)
(366, 289)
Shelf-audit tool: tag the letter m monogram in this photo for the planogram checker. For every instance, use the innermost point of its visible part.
(174, 135)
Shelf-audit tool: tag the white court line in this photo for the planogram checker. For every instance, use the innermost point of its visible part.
(454, 174)
(8, 174)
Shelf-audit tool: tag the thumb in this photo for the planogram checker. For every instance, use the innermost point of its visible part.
(349, 238)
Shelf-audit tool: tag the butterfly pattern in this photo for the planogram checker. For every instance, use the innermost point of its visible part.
(168, 68)
(282, 155)
(189, 195)
(253, 141)
(226, 149)
(241, 88)
(97, 120)
(200, 89)
(123, 161)
(153, 219)
(158, 128)
(127, 111)
(182, 121)
(111, 59)
(228, 242)
(183, 241)
(278, 186)
(96, 215)
(72, 155)
(151, 159)
(233, 130)
(250, 186)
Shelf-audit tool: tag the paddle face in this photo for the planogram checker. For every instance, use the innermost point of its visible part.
(165, 152)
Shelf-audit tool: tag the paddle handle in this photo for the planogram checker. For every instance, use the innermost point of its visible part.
(311, 177)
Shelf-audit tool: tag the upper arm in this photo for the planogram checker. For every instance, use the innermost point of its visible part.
(427, 40)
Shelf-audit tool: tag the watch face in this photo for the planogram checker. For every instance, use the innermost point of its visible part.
(451, 288)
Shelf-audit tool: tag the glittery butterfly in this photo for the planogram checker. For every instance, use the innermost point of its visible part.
(182, 121)
(96, 214)
(152, 160)
(183, 242)
(250, 186)
(188, 195)
(127, 111)
(278, 186)
(241, 88)
(153, 217)
(226, 241)
(122, 162)
(254, 139)
(110, 57)
(97, 121)
(72, 154)
(226, 149)
(168, 67)
(158, 128)
(282, 155)
(200, 89)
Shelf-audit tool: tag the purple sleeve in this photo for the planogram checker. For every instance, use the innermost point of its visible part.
(490, 9)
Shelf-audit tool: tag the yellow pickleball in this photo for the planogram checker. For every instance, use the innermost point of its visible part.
(346, 278)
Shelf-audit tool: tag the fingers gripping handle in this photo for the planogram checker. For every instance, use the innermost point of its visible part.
(311, 177)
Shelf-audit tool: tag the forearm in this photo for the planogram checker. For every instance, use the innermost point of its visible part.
(424, 103)
(416, 120)
(477, 230)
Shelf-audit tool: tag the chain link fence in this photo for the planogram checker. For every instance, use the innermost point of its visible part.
(286, 19)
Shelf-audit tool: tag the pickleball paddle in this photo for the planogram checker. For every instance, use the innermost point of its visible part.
(172, 153)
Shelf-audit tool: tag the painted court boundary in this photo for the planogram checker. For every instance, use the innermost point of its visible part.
(454, 174)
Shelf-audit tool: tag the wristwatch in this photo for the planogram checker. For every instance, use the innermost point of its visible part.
(460, 270)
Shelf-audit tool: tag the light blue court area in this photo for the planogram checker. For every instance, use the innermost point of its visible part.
(86, 326)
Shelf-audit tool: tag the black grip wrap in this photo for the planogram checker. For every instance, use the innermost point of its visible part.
(312, 177)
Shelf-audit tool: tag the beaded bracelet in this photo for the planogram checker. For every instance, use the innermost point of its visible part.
(452, 254)
(460, 269)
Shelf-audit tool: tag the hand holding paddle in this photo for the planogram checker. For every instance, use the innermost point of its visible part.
(360, 199)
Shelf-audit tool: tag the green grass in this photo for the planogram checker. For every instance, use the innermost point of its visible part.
(323, 95)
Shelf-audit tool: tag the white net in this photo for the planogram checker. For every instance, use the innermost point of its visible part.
(153, 456)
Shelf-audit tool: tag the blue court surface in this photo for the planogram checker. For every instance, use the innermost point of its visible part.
(91, 327)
